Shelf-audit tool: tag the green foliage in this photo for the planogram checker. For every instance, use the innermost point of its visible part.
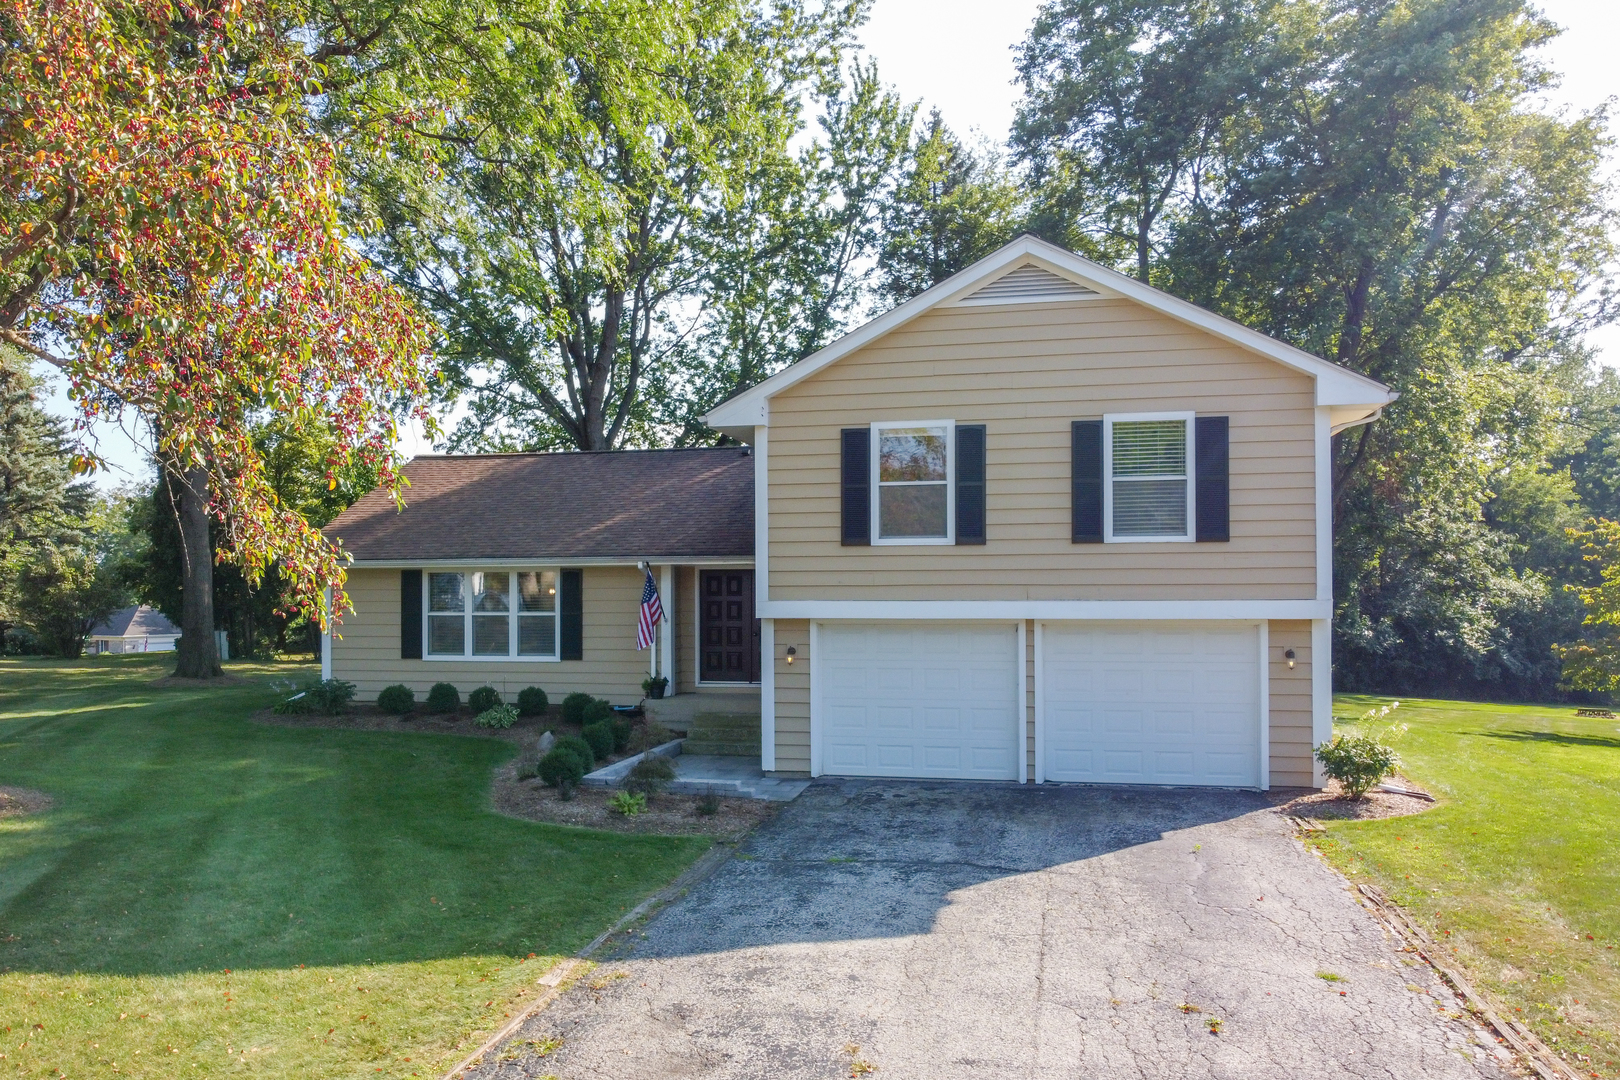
(1359, 761)
(573, 707)
(581, 749)
(531, 701)
(483, 699)
(1593, 663)
(397, 700)
(329, 697)
(628, 803)
(650, 774)
(600, 737)
(651, 683)
(622, 728)
(561, 768)
(708, 803)
(595, 711)
(61, 594)
(648, 734)
(499, 717)
(443, 697)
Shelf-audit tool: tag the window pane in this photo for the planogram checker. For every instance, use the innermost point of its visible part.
(537, 635)
(444, 592)
(911, 510)
(490, 591)
(537, 591)
(490, 635)
(1150, 448)
(446, 635)
(911, 453)
(1150, 507)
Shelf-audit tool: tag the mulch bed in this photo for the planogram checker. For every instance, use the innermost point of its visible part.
(1332, 804)
(666, 815)
(20, 801)
(371, 718)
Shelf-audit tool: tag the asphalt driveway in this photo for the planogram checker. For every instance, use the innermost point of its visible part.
(961, 930)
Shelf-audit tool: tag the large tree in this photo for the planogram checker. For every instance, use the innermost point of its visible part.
(170, 239)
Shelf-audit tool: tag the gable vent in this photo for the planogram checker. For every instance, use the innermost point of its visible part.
(1029, 285)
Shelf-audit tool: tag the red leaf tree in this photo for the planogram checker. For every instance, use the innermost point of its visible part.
(170, 239)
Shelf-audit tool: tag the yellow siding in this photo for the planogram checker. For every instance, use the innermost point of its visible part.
(1026, 371)
(792, 696)
(367, 654)
(1290, 703)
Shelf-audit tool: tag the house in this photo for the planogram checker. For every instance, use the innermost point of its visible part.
(1040, 523)
(134, 629)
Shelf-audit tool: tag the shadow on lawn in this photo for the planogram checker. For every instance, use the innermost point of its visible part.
(1607, 741)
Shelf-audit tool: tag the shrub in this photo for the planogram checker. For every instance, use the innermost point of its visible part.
(561, 769)
(647, 735)
(329, 697)
(600, 736)
(573, 707)
(709, 804)
(1356, 761)
(483, 699)
(579, 748)
(443, 698)
(650, 774)
(621, 732)
(397, 699)
(501, 716)
(595, 711)
(628, 803)
(532, 701)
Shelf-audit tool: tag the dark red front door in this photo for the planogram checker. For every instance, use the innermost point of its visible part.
(730, 631)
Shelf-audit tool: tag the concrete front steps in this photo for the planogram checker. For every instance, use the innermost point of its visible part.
(716, 734)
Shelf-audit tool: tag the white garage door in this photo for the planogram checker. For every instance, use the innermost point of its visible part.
(918, 699)
(1151, 705)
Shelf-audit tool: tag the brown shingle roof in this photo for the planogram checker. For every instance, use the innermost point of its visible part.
(624, 504)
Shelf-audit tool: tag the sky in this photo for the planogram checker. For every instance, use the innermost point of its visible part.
(956, 55)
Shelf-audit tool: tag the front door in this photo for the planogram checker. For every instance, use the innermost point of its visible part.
(730, 633)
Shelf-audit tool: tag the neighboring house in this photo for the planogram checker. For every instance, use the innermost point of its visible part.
(134, 629)
(1042, 522)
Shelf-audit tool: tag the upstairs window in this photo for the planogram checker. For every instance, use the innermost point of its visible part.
(911, 490)
(492, 614)
(1148, 463)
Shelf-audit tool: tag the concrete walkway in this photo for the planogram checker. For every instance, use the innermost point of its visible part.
(957, 930)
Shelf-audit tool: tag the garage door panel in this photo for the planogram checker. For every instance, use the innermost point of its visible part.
(924, 700)
(1150, 705)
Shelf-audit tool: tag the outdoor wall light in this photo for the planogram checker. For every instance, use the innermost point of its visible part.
(1289, 656)
(791, 653)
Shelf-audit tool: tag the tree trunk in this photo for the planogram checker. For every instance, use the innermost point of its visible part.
(197, 655)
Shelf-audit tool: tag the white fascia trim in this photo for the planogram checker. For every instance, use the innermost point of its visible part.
(767, 695)
(762, 515)
(1335, 385)
(1126, 610)
(546, 561)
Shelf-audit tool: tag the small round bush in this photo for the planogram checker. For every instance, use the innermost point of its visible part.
(621, 733)
(600, 736)
(596, 710)
(573, 707)
(396, 700)
(501, 716)
(532, 701)
(1357, 762)
(561, 768)
(650, 774)
(579, 748)
(483, 699)
(443, 698)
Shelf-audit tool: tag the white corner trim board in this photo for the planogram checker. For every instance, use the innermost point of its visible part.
(767, 695)
(999, 610)
(1265, 706)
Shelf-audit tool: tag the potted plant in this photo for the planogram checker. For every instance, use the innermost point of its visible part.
(654, 686)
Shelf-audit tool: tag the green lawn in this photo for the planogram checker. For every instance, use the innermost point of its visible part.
(1518, 867)
(214, 896)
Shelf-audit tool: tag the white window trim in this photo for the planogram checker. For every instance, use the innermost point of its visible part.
(1109, 420)
(512, 615)
(878, 539)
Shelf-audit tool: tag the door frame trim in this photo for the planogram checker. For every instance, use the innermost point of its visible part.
(1020, 710)
(1263, 719)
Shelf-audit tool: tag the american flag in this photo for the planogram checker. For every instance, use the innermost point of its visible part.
(652, 613)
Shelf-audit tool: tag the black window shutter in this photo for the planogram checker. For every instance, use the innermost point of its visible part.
(1086, 497)
(410, 614)
(571, 610)
(1213, 496)
(857, 487)
(970, 483)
